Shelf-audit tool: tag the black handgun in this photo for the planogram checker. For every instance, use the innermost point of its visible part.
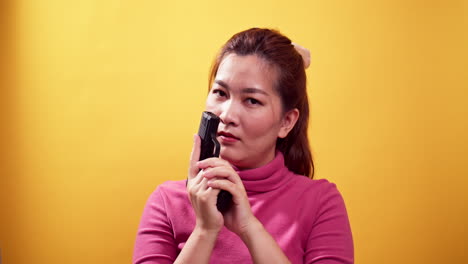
(210, 148)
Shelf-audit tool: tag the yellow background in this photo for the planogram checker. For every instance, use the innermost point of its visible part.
(99, 101)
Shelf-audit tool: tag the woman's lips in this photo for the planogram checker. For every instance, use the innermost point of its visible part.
(227, 137)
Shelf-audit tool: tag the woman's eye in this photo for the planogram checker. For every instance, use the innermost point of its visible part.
(253, 101)
(219, 92)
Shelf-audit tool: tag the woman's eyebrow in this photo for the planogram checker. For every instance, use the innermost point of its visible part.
(254, 90)
(244, 90)
(223, 84)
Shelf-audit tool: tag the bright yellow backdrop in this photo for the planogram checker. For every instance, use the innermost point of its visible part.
(100, 99)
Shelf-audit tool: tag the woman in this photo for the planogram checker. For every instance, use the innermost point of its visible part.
(278, 213)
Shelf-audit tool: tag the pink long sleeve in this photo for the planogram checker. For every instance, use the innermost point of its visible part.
(155, 239)
(330, 239)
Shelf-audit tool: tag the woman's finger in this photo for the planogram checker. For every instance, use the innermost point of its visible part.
(223, 184)
(212, 162)
(194, 157)
(198, 186)
(222, 172)
(198, 178)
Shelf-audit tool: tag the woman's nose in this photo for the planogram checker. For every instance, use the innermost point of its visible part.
(228, 113)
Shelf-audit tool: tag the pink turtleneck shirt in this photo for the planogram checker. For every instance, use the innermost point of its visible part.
(307, 218)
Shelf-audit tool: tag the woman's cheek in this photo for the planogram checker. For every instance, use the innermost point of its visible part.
(210, 106)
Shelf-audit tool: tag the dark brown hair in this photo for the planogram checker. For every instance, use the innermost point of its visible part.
(277, 50)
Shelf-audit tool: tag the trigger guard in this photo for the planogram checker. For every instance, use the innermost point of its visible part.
(217, 146)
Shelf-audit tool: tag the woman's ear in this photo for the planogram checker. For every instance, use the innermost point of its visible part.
(288, 122)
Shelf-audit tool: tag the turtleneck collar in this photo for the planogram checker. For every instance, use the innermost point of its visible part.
(266, 178)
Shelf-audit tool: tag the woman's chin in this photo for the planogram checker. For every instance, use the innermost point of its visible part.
(237, 163)
(230, 157)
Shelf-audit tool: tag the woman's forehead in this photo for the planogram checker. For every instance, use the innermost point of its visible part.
(248, 71)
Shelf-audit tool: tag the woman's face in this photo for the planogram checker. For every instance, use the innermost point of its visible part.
(244, 98)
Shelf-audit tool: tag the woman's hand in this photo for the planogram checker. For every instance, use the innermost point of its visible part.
(202, 197)
(221, 176)
(203, 188)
